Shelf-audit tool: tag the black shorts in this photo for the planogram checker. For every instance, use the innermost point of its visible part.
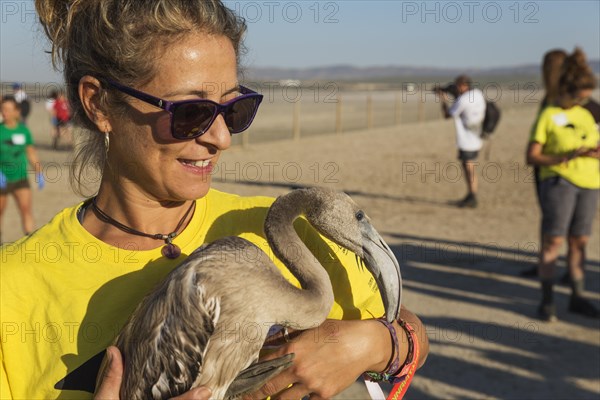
(467, 155)
(12, 186)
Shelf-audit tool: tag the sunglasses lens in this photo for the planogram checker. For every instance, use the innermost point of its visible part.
(240, 114)
(192, 119)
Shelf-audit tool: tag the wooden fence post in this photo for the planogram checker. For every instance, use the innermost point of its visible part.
(338, 115)
(397, 110)
(369, 112)
(296, 121)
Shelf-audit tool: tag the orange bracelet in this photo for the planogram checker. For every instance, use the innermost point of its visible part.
(408, 369)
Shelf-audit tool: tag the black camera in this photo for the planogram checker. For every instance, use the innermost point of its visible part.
(450, 88)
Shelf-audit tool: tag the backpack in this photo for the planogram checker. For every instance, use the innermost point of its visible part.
(491, 118)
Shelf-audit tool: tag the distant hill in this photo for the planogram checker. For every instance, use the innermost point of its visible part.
(378, 73)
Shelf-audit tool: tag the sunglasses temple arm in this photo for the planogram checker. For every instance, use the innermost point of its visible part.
(155, 101)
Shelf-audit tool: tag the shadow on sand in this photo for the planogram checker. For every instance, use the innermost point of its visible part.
(521, 354)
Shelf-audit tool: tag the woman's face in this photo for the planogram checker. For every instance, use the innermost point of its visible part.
(143, 156)
(583, 95)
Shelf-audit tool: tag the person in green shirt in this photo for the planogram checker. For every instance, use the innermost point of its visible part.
(564, 143)
(16, 150)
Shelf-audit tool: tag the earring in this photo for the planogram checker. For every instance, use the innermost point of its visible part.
(106, 140)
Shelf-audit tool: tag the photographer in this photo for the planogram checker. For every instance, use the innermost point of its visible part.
(468, 111)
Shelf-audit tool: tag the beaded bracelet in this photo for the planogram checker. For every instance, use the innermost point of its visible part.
(393, 365)
(392, 370)
(412, 349)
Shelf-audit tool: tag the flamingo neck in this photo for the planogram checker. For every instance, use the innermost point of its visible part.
(317, 293)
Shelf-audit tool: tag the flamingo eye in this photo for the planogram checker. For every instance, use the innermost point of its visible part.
(359, 215)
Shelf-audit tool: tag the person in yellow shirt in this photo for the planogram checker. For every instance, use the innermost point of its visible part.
(565, 143)
(154, 85)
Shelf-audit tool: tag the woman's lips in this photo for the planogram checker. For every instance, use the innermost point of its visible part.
(197, 166)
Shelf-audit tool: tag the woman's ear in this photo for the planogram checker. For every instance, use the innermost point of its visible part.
(90, 93)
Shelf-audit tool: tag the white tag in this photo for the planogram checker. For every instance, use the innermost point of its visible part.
(560, 119)
(18, 139)
(374, 390)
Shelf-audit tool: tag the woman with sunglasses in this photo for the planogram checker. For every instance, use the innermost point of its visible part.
(154, 85)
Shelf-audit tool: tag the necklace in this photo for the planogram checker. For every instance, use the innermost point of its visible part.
(170, 250)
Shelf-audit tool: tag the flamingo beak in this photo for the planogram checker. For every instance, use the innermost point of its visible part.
(382, 263)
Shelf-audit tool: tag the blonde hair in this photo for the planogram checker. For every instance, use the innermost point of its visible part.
(117, 40)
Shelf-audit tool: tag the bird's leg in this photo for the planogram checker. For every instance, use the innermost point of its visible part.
(256, 375)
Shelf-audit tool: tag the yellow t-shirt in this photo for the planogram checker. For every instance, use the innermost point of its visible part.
(65, 295)
(562, 131)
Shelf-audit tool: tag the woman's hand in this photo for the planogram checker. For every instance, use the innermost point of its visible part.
(110, 385)
(536, 157)
(594, 153)
(582, 152)
(328, 359)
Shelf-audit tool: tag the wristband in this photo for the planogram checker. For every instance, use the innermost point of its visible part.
(412, 344)
(387, 375)
(394, 373)
(407, 372)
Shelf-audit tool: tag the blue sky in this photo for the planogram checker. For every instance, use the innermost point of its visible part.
(470, 34)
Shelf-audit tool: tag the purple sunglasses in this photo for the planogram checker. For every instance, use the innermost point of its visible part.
(192, 118)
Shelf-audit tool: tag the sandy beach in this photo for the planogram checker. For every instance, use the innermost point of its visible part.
(460, 267)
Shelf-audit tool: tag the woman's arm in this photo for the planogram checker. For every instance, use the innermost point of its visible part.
(330, 358)
(35, 162)
(536, 157)
(33, 159)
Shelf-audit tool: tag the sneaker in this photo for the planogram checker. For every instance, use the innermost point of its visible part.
(579, 305)
(547, 312)
(468, 202)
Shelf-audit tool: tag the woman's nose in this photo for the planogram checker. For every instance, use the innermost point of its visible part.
(217, 135)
